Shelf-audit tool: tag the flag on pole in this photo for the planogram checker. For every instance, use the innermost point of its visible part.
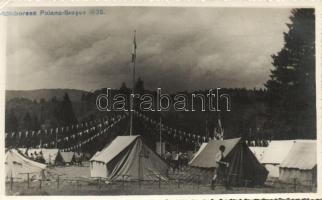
(219, 132)
(134, 48)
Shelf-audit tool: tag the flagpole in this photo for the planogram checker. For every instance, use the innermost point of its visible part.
(220, 126)
(133, 85)
(206, 127)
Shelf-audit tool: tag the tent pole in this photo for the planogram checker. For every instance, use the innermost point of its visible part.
(139, 172)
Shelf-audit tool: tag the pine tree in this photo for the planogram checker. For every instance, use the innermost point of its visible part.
(35, 123)
(11, 121)
(123, 87)
(139, 86)
(291, 89)
(27, 122)
(66, 114)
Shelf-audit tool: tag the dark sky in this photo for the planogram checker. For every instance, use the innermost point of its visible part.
(178, 48)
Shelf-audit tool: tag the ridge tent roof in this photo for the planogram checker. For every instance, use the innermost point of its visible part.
(277, 150)
(301, 156)
(116, 147)
(206, 158)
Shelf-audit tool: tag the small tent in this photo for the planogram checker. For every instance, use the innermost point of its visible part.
(300, 164)
(68, 157)
(17, 166)
(52, 156)
(244, 168)
(128, 158)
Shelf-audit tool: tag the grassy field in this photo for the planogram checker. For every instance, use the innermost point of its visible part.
(75, 180)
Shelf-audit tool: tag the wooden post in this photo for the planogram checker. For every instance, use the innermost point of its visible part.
(311, 186)
(178, 182)
(198, 177)
(28, 180)
(139, 172)
(193, 180)
(123, 182)
(57, 181)
(40, 182)
(11, 182)
(159, 181)
(99, 185)
(294, 184)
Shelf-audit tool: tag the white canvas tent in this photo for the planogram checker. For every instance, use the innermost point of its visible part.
(259, 152)
(52, 156)
(300, 164)
(17, 166)
(68, 157)
(276, 152)
(96, 154)
(128, 158)
(201, 148)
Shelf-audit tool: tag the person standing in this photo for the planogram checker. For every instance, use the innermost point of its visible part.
(220, 173)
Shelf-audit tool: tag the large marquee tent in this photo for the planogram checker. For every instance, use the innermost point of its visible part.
(300, 164)
(128, 158)
(275, 154)
(18, 167)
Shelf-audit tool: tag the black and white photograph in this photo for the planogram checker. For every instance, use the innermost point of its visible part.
(147, 100)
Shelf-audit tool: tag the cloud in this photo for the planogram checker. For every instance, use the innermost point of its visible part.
(178, 48)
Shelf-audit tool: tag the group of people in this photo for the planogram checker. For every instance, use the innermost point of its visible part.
(78, 159)
(257, 143)
(177, 161)
(38, 157)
